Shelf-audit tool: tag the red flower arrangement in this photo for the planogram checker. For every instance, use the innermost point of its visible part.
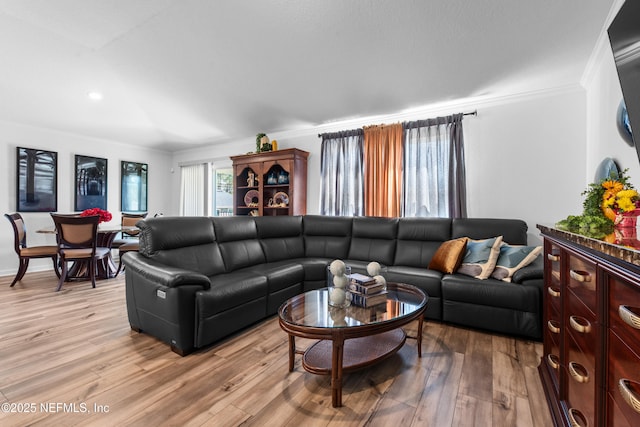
(105, 216)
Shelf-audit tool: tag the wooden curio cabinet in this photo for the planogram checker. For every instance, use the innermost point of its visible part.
(271, 183)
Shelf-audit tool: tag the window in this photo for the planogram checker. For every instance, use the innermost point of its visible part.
(192, 190)
(432, 171)
(206, 189)
(222, 194)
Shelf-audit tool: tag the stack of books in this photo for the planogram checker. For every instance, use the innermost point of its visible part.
(365, 291)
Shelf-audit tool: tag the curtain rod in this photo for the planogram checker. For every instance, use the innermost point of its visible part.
(470, 113)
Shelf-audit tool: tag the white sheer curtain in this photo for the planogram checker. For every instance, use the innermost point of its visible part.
(193, 190)
(434, 171)
(341, 176)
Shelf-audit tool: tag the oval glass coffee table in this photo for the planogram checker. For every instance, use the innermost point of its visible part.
(350, 338)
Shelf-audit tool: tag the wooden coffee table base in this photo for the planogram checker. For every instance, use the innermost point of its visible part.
(340, 356)
(357, 353)
(344, 348)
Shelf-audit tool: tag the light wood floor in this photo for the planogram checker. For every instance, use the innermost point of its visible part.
(73, 351)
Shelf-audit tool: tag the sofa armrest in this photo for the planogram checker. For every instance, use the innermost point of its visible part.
(161, 300)
(162, 274)
(533, 271)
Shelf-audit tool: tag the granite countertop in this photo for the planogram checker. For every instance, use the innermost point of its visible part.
(625, 249)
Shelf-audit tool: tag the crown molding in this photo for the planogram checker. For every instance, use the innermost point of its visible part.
(601, 46)
(432, 110)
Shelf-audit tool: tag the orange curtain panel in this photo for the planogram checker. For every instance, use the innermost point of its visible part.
(383, 170)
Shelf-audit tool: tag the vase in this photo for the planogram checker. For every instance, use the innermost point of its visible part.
(626, 231)
(627, 219)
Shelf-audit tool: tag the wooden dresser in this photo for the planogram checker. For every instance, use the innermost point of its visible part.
(590, 370)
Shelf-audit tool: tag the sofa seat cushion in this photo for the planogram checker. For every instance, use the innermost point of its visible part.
(280, 274)
(231, 290)
(491, 293)
(427, 280)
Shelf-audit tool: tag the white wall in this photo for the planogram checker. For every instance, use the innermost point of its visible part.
(525, 158)
(603, 97)
(67, 146)
(520, 152)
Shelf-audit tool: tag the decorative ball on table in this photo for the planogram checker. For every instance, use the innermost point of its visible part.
(373, 268)
(380, 279)
(337, 267)
(338, 281)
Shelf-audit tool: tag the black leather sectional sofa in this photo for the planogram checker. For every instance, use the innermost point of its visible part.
(196, 280)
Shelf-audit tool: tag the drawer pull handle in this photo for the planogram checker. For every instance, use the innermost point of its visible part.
(553, 326)
(553, 361)
(576, 419)
(553, 292)
(580, 276)
(578, 372)
(580, 324)
(629, 317)
(553, 258)
(629, 395)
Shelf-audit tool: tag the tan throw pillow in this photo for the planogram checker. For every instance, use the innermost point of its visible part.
(512, 259)
(480, 257)
(449, 255)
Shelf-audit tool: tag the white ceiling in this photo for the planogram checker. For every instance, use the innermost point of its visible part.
(176, 74)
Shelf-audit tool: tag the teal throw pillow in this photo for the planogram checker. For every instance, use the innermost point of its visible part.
(480, 257)
(512, 259)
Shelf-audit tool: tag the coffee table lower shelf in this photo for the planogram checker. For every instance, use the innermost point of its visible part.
(358, 353)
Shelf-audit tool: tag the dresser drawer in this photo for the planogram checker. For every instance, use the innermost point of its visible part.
(552, 262)
(552, 297)
(615, 417)
(581, 383)
(581, 324)
(581, 279)
(623, 379)
(624, 310)
(552, 358)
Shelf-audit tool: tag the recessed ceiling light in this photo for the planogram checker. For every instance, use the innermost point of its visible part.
(95, 96)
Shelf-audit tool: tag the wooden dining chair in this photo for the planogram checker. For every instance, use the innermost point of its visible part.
(25, 253)
(129, 242)
(77, 238)
(133, 246)
(128, 220)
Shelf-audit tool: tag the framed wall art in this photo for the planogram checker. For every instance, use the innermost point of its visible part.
(37, 180)
(90, 183)
(133, 186)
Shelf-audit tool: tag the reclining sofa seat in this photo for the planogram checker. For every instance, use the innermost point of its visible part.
(511, 308)
(196, 280)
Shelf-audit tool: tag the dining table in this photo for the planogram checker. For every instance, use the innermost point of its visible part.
(106, 235)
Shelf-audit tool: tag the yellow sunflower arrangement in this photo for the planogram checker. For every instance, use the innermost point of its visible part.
(603, 204)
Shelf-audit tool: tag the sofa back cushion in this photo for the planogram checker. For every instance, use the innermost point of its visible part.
(184, 242)
(373, 239)
(238, 240)
(513, 231)
(419, 239)
(280, 237)
(326, 236)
